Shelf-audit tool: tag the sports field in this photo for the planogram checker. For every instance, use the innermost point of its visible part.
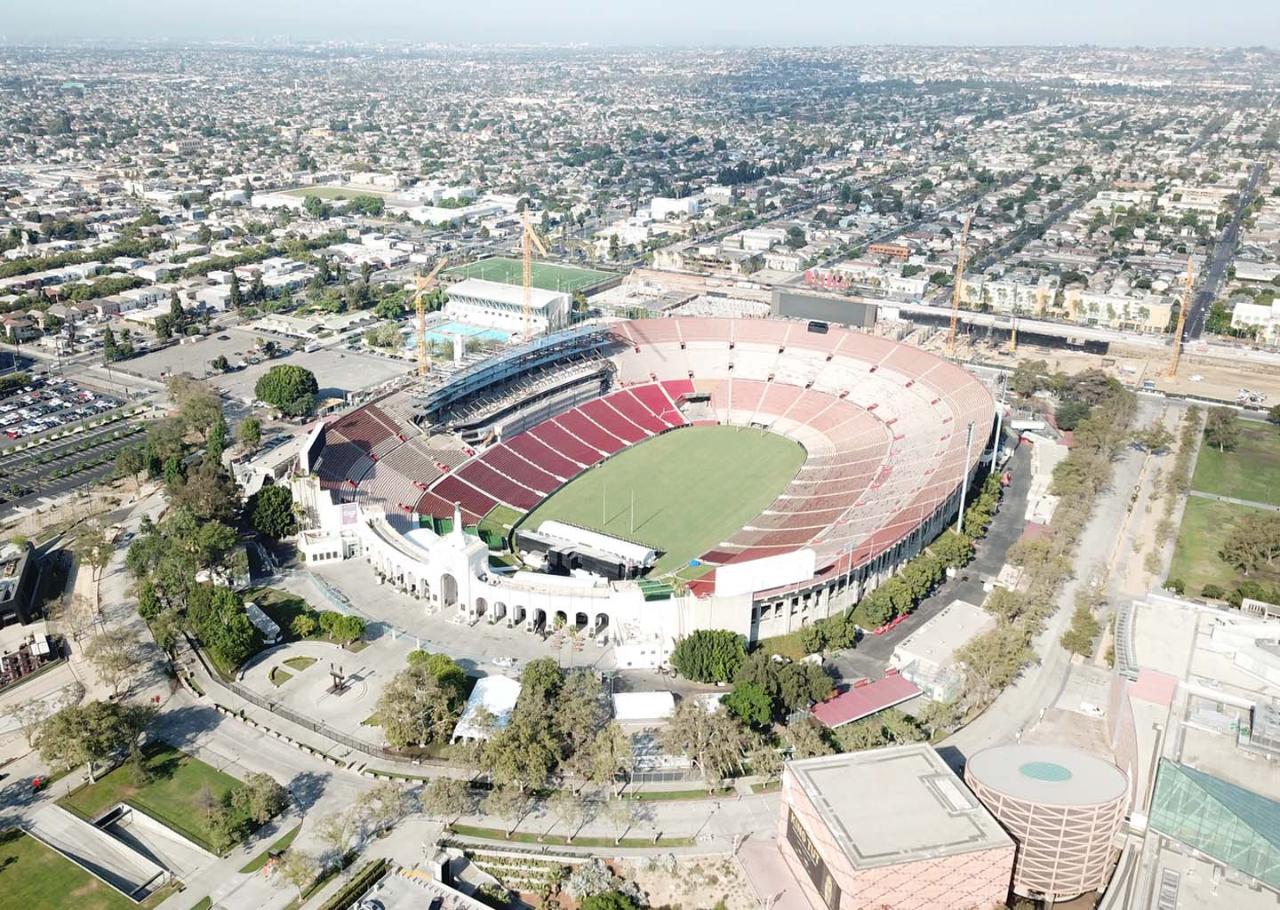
(693, 489)
(549, 276)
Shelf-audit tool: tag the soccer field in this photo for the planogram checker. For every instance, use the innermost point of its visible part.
(693, 488)
(546, 275)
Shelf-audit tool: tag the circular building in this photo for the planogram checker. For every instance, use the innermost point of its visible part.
(1063, 807)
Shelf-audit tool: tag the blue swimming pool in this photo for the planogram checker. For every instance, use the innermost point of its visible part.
(439, 334)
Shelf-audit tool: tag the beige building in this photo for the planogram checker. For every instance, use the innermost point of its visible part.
(1149, 313)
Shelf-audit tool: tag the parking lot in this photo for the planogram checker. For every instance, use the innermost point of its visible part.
(339, 371)
(47, 404)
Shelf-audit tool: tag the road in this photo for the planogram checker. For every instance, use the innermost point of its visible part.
(1220, 260)
(1035, 691)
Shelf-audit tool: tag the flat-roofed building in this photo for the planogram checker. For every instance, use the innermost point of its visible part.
(494, 305)
(926, 656)
(890, 828)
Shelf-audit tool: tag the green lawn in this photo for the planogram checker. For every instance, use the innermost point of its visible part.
(279, 676)
(1195, 557)
(261, 859)
(172, 794)
(498, 523)
(299, 663)
(1251, 471)
(546, 275)
(692, 490)
(37, 878)
(332, 192)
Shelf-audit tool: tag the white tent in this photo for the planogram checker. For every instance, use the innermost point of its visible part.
(497, 695)
(641, 707)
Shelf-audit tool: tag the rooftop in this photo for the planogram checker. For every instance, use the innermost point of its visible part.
(1048, 775)
(896, 805)
(865, 699)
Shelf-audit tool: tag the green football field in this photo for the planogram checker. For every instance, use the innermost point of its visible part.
(333, 192)
(546, 275)
(693, 489)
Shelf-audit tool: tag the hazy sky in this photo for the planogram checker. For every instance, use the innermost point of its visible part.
(669, 22)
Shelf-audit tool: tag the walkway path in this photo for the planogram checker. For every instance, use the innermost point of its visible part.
(1237, 502)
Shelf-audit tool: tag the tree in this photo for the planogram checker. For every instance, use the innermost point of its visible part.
(1070, 413)
(207, 491)
(567, 807)
(93, 548)
(271, 512)
(1253, 541)
(709, 655)
(993, 660)
(750, 704)
(131, 462)
(522, 754)
(384, 806)
(289, 388)
(510, 803)
(1079, 637)
(807, 738)
(116, 656)
(342, 627)
(235, 297)
(1155, 438)
(87, 734)
(260, 798)
(447, 798)
(299, 869)
(609, 900)
(612, 755)
(415, 709)
(714, 742)
(1273, 414)
(1222, 429)
(177, 316)
(249, 433)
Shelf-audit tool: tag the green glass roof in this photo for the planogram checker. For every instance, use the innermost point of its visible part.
(1227, 822)
(1048, 771)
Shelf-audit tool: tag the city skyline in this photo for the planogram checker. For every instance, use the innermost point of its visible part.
(706, 23)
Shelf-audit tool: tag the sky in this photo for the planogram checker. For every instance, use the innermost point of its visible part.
(655, 22)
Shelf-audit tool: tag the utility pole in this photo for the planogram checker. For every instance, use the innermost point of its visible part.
(964, 479)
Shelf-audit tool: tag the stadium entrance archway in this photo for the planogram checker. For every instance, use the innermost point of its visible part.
(519, 615)
(602, 623)
(499, 612)
(448, 590)
(539, 621)
(562, 619)
(482, 607)
(580, 622)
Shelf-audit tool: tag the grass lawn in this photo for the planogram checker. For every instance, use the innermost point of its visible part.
(37, 878)
(499, 521)
(1251, 471)
(1196, 562)
(299, 663)
(284, 608)
(693, 489)
(261, 859)
(549, 276)
(172, 795)
(332, 192)
(279, 677)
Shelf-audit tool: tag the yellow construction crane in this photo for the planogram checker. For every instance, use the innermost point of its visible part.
(422, 287)
(1182, 323)
(955, 290)
(529, 240)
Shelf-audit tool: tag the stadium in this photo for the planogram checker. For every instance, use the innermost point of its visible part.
(639, 480)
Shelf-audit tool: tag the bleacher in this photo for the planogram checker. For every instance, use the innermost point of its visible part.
(883, 425)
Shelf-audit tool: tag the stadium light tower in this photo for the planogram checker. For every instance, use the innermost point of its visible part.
(964, 478)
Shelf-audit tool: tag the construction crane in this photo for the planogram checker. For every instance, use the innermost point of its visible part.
(422, 287)
(529, 240)
(955, 290)
(1182, 323)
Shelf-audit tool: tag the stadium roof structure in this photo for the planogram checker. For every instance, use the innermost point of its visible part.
(1224, 821)
(865, 699)
(896, 805)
